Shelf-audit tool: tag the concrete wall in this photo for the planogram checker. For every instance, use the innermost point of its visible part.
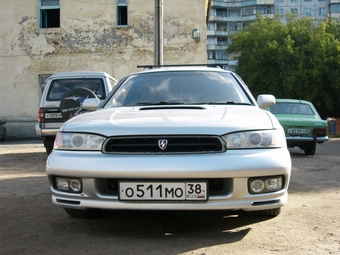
(88, 39)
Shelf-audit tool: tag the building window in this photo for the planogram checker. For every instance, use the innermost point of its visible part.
(279, 1)
(308, 12)
(265, 9)
(294, 10)
(221, 28)
(222, 41)
(234, 26)
(234, 14)
(308, 0)
(281, 12)
(49, 11)
(221, 12)
(211, 41)
(335, 8)
(322, 11)
(221, 55)
(210, 54)
(249, 11)
(122, 12)
(293, 1)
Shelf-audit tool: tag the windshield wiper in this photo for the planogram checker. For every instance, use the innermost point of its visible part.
(159, 103)
(223, 103)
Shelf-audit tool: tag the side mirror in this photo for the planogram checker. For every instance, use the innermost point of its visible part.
(265, 101)
(91, 104)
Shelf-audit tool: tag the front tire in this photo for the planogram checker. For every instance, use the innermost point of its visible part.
(78, 213)
(269, 213)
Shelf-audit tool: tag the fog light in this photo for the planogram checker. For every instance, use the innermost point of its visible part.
(62, 184)
(265, 184)
(68, 184)
(257, 186)
(75, 185)
(274, 184)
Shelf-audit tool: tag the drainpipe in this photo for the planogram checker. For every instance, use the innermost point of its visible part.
(158, 38)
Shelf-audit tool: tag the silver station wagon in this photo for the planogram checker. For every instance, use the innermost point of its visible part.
(172, 138)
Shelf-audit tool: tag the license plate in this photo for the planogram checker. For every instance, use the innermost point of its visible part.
(53, 115)
(180, 191)
(298, 131)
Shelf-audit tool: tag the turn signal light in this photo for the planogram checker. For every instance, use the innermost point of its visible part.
(41, 113)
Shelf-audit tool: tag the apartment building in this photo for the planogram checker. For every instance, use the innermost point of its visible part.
(228, 16)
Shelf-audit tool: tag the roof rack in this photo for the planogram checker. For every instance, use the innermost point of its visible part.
(158, 66)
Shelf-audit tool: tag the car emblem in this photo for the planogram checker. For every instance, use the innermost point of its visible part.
(162, 144)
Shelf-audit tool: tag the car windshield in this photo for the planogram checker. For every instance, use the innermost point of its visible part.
(179, 87)
(291, 108)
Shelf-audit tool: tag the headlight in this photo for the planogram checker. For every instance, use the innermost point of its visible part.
(255, 139)
(75, 141)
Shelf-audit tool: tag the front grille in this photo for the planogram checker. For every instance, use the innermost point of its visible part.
(164, 144)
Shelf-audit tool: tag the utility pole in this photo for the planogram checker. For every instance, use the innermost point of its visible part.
(158, 38)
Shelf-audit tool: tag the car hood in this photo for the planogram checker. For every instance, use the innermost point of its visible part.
(154, 120)
(300, 120)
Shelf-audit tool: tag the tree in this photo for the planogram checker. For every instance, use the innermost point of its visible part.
(297, 59)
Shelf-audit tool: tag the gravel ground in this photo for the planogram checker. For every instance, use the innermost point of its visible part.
(30, 224)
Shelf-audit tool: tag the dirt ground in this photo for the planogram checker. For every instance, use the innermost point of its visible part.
(30, 224)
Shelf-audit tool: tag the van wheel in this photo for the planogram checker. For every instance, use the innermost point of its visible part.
(72, 103)
(48, 144)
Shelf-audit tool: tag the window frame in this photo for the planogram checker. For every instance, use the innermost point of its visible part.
(119, 6)
(42, 8)
(322, 11)
(307, 12)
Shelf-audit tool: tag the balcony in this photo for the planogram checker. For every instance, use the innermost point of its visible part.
(225, 19)
(230, 63)
(216, 47)
(335, 15)
(265, 2)
(222, 33)
(217, 61)
(226, 3)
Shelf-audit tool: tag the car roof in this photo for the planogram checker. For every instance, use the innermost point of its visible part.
(80, 73)
(181, 68)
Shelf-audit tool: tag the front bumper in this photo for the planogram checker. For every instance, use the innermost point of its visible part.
(237, 166)
(318, 139)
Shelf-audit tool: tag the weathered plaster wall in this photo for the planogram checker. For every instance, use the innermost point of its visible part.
(88, 39)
